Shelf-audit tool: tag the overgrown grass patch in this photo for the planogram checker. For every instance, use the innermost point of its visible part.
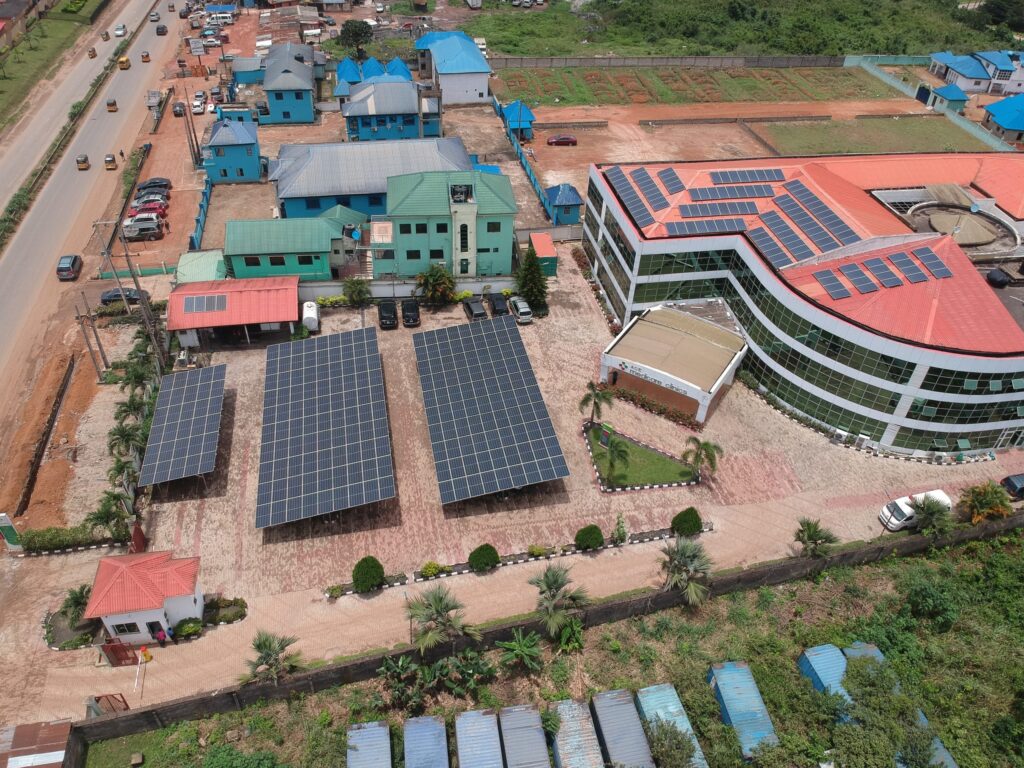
(30, 62)
(645, 466)
(906, 134)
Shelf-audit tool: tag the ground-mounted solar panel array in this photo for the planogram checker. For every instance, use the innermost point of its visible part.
(186, 426)
(489, 427)
(326, 445)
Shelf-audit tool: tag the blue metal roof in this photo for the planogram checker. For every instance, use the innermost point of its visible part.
(478, 742)
(1008, 113)
(342, 89)
(999, 59)
(576, 744)
(563, 194)
(741, 704)
(661, 702)
(458, 55)
(398, 68)
(232, 133)
(213, 8)
(861, 650)
(426, 744)
(825, 666)
(424, 42)
(371, 68)
(620, 730)
(369, 745)
(523, 737)
(518, 114)
(951, 92)
(968, 66)
(348, 71)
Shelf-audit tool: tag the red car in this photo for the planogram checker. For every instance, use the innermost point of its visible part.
(562, 140)
(160, 209)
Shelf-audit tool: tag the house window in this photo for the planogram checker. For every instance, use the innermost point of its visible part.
(442, 228)
(376, 200)
(381, 122)
(463, 237)
(566, 210)
(223, 173)
(408, 120)
(240, 172)
(412, 255)
(277, 261)
(305, 260)
(278, 96)
(312, 203)
(421, 229)
(405, 229)
(341, 200)
(252, 261)
(218, 151)
(286, 115)
(463, 266)
(366, 122)
(128, 628)
(977, 82)
(299, 95)
(248, 151)
(494, 226)
(483, 250)
(436, 253)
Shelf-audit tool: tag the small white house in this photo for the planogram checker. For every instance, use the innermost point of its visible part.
(136, 596)
(456, 65)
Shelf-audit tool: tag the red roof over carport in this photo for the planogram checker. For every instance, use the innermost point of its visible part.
(246, 302)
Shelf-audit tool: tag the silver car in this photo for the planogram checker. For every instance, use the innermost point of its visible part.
(520, 310)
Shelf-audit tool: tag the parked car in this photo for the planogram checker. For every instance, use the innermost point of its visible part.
(145, 57)
(69, 267)
(328, 20)
(178, 109)
(212, 42)
(111, 105)
(160, 209)
(120, 30)
(154, 181)
(410, 313)
(562, 140)
(217, 94)
(154, 16)
(899, 514)
(474, 309)
(198, 106)
(114, 295)
(148, 198)
(387, 314)
(161, 29)
(200, 94)
(1014, 485)
(499, 304)
(521, 310)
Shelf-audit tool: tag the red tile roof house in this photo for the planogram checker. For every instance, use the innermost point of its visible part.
(137, 595)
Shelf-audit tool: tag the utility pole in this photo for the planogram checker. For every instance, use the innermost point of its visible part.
(148, 319)
(109, 261)
(95, 332)
(194, 140)
(88, 345)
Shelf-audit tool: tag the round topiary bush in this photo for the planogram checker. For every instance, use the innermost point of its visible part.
(589, 537)
(687, 522)
(484, 558)
(368, 575)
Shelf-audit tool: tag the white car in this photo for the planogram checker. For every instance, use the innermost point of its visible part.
(899, 514)
(198, 106)
(520, 310)
(120, 30)
(378, 7)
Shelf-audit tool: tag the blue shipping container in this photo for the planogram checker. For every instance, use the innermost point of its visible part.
(661, 702)
(523, 738)
(825, 667)
(620, 730)
(477, 739)
(426, 744)
(369, 745)
(742, 706)
(576, 745)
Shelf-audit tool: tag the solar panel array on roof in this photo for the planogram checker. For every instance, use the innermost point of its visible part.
(747, 174)
(909, 269)
(727, 193)
(861, 281)
(629, 197)
(806, 222)
(731, 208)
(771, 250)
(789, 239)
(186, 426)
(326, 445)
(704, 227)
(933, 263)
(828, 280)
(489, 428)
(671, 181)
(881, 270)
(829, 218)
(649, 189)
(213, 303)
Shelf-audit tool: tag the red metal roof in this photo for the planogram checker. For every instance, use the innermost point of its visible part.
(142, 582)
(543, 245)
(40, 745)
(248, 301)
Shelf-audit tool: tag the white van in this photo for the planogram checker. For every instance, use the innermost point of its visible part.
(899, 514)
(222, 18)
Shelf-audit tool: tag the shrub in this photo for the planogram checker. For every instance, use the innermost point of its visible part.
(47, 539)
(463, 295)
(589, 537)
(301, 332)
(687, 522)
(75, 643)
(187, 628)
(335, 591)
(368, 575)
(535, 550)
(220, 609)
(332, 301)
(484, 558)
(620, 535)
(431, 569)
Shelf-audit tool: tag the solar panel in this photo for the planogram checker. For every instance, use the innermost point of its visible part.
(828, 280)
(770, 249)
(933, 263)
(186, 426)
(829, 218)
(649, 189)
(909, 269)
(789, 239)
(732, 208)
(629, 197)
(671, 181)
(489, 428)
(752, 174)
(326, 444)
(807, 225)
(861, 281)
(881, 270)
(214, 303)
(705, 227)
(727, 193)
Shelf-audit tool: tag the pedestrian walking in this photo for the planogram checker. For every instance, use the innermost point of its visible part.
(170, 634)
(167, 225)
(121, 152)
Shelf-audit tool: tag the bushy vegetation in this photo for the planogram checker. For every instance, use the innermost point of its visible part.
(589, 537)
(49, 539)
(187, 628)
(484, 558)
(368, 575)
(687, 522)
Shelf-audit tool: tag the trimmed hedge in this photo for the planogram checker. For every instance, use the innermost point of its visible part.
(589, 537)
(187, 628)
(47, 539)
(484, 558)
(368, 575)
(687, 522)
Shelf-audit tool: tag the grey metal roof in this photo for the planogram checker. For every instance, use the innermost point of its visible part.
(426, 743)
(360, 168)
(523, 737)
(620, 730)
(227, 133)
(575, 744)
(478, 742)
(369, 745)
(386, 95)
(285, 72)
(247, 63)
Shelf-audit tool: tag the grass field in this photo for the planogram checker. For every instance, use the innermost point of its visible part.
(908, 134)
(673, 85)
(645, 467)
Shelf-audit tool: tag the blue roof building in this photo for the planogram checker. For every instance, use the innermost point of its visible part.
(981, 71)
(372, 68)
(519, 118)
(455, 63)
(390, 107)
(478, 743)
(397, 68)
(742, 706)
(825, 667)
(426, 743)
(369, 745)
(1005, 118)
(348, 71)
(565, 203)
(661, 702)
(231, 155)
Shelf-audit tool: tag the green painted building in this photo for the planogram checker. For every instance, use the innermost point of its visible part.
(461, 219)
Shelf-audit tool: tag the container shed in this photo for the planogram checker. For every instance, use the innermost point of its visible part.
(369, 745)
(426, 744)
(576, 745)
(523, 738)
(544, 247)
(477, 739)
(742, 706)
(825, 667)
(620, 731)
(661, 702)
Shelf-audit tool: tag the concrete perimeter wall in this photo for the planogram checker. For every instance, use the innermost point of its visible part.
(695, 62)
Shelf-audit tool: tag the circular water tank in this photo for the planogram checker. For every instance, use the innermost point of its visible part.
(311, 316)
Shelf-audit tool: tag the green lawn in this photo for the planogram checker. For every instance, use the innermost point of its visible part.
(404, 7)
(909, 134)
(645, 467)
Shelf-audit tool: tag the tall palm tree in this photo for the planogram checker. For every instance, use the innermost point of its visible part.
(815, 538)
(557, 597)
(439, 617)
(109, 514)
(272, 661)
(135, 377)
(123, 472)
(595, 399)
(125, 440)
(932, 516)
(618, 454)
(686, 566)
(702, 454)
(134, 408)
(75, 602)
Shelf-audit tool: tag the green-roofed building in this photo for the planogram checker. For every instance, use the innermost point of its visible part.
(200, 267)
(461, 219)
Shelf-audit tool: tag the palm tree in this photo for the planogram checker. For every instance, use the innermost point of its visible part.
(271, 661)
(686, 566)
(109, 515)
(618, 453)
(123, 472)
(134, 407)
(522, 649)
(595, 399)
(436, 285)
(439, 617)
(815, 538)
(73, 607)
(981, 502)
(557, 599)
(701, 454)
(135, 377)
(125, 440)
(932, 516)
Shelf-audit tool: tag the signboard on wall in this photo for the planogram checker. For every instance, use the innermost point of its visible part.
(195, 46)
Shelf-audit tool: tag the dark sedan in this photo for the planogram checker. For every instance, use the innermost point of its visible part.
(387, 314)
(114, 295)
(562, 140)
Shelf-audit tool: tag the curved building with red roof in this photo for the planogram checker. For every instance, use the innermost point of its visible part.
(855, 280)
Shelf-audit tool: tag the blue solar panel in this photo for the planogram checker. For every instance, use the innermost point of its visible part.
(822, 212)
(909, 269)
(705, 227)
(629, 197)
(671, 181)
(701, 194)
(933, 263)
(808, 225)
(881, 270)
(828, 280)
(745, 175)
(861, 281)
(789, 239)
(649, 189)
(766, 244)
(731, 208)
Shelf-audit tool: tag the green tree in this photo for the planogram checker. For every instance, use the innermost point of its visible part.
(531, 283)
(272, 660)
(557, 599)
(436, 285)
(702, 455)
(355, 34)
(980, 502)
(618, 455)
(357, 291)
(368, 575)
(670, 747)
(686, 566)
(439, 617)
(125, 440)
(134, 408)
(110, 515)
(933, 516)
(595, 399)
(816, 539)
(135, 377)
(123, 472)
(522, 650)
(75, 602)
